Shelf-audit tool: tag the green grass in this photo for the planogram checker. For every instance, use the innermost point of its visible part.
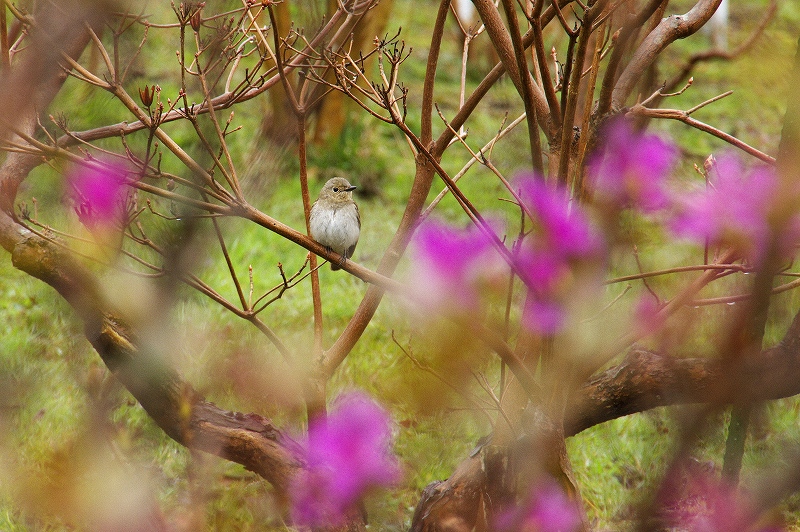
(51, 404)
(616, 462)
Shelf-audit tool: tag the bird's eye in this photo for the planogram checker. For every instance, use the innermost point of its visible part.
(336, 189)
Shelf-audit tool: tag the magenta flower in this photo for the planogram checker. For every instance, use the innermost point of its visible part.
(736, 209)
(562, 240)
(99, 194)
(544, 315)
(542, 271)
(548, 510)
(346, 454)
(629, 168)
(563, 229)
(453, 268)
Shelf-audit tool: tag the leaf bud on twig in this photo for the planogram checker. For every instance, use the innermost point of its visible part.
(147, 94)
(196, 19)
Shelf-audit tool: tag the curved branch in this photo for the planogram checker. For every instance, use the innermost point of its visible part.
(683, 116)
(669, 30)
(723, 55)
(456, 503)
(248, 439)
(629, 29)
(644, 380)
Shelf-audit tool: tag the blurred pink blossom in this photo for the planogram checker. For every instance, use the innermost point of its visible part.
(562, 238)
(346, 454)
(541, 271)
(548, 510)
(563, 228)
(629, 168)
(452, 267)
(98, 193)
(455, 269)
(544, 314)
(737, 209)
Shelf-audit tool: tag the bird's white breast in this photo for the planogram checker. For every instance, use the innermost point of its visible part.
(337, 228)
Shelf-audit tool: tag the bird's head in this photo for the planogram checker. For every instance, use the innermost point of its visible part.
(337, 189)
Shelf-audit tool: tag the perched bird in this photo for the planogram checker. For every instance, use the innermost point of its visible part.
(335, 222)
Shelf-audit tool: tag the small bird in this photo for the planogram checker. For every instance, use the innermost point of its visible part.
(334, 220)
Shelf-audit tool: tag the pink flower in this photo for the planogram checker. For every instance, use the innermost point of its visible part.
(452, 268)
(548, 510)
(629, 168)
(737, 210)
(563, 229)
(346, 454)
(99, 194)
(543, 315)
(561, 241)
(455, 270)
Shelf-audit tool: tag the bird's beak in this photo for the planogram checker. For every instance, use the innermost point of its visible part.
(351, 187)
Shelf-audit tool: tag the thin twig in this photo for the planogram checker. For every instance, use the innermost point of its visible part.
(680, 269)
(409, 354)
(683, 116)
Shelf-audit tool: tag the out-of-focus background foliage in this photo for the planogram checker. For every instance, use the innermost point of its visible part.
(62, 416)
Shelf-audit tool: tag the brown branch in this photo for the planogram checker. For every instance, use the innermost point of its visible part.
(488, 82)
(457, 503)
(679, 269)
(573, 90)
(180, 411)
(244, 211)
(633, 25)
(544, 70)
(527, 93)
(426, 130)
(5, 62)
(222, 101)
(669, 30)
(646, 380)
(683, 116)
(723, 55)
(501, 40)
(505, 50)
(423, 180)
(587, 132)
